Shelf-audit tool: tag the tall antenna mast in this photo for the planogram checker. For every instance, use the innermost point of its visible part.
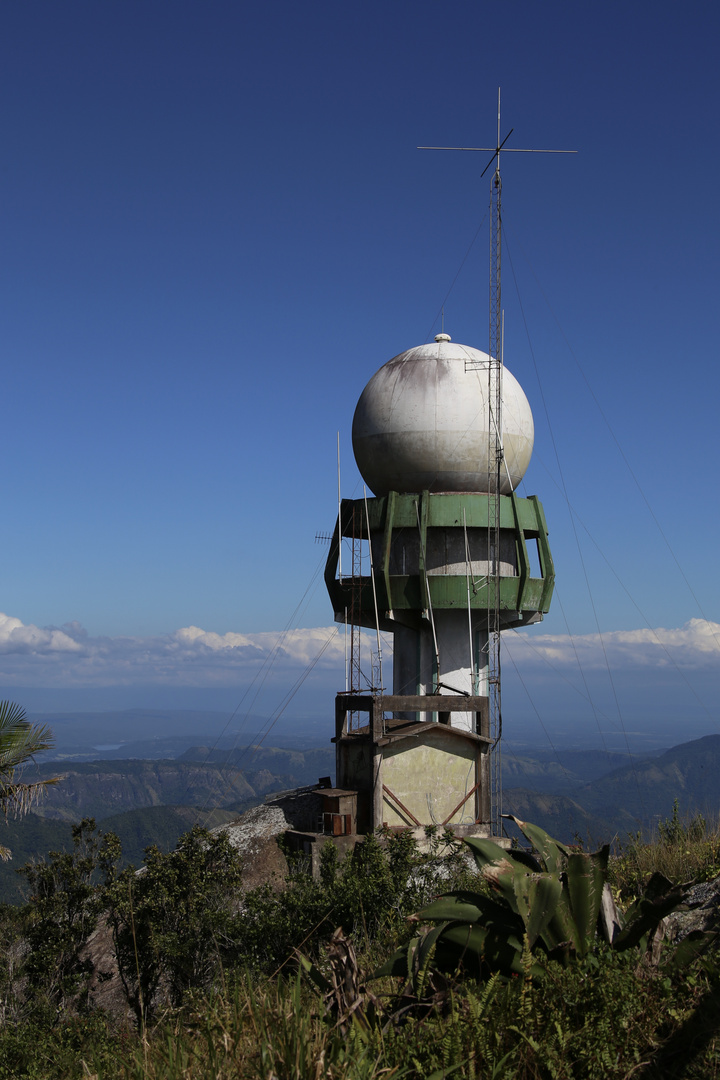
(495, 450)
(495, 459)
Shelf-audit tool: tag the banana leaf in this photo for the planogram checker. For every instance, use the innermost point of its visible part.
(483, 949)
(314, 974)
(692, 946)
(501, 878)
(400, 963)
(450, 907)
(487, 852)
(656, 887)
(646, 915)
(427, 944)
(561, 932)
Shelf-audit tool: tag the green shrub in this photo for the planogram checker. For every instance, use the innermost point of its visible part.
(600, 1019)
(553, 902)
(173, 921)
(369, 895)
(604, 1014)
(45, 1049)
(597, 1019)
(61, 914)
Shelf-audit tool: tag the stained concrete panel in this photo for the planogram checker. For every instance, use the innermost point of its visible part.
(430, 779)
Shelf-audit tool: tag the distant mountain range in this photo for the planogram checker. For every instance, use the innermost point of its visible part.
(572, 793)
(166, 733)
(34, 836)
(152, 802)
(564, 771)
(631, 798)
(202, 778)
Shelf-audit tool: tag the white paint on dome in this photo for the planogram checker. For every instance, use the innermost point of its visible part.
(421, 423)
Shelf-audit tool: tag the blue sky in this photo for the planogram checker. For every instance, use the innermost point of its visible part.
(216, 226)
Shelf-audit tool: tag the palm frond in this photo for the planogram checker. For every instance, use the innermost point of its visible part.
(19, 798)
(19, 742)
(19, 739)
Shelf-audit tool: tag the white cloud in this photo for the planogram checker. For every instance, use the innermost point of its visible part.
(696, 645)
(191, 656)
(15, 637)
(191, 636)
(67, 656)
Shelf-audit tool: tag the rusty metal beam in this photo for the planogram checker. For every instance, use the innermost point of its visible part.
(404, 808)
(462, 803)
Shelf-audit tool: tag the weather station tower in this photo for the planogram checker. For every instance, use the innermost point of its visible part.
(444, 556)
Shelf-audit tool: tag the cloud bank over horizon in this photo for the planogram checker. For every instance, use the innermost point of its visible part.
(67, 656)
(694, 645)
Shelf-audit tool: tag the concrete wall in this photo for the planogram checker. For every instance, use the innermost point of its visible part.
(430, 778)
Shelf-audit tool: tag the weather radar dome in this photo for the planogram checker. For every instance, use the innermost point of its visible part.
(421, 423)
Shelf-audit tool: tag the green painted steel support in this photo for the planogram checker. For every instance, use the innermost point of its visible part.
(387, 541)
(421, 511)
(406, 597)
(523, 559)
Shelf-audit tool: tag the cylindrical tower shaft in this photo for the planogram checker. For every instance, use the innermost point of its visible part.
(448, 539)
(462, 660)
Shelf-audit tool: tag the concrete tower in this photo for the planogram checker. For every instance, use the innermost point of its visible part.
(421, 441)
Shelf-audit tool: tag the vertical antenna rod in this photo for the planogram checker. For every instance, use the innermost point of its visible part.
(495, 451)
(495, 456)
(340, 536)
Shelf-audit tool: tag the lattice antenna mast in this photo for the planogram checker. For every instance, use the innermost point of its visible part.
(495, 449)
(355, 601)
(495, 460)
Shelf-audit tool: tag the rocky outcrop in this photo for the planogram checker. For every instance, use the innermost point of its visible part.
(700, 911)
(106, 989)
(255, 833)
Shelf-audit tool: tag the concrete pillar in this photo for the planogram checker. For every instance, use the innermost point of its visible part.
(414, 660)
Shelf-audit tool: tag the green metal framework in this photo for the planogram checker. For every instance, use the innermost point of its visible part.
(403, 598)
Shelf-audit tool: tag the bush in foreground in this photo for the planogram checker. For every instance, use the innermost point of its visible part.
(217, 971)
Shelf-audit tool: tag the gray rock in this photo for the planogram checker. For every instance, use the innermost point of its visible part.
(700, 911)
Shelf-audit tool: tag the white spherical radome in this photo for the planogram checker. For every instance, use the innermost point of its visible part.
(421, 423)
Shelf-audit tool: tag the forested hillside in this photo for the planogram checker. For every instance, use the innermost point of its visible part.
(201, 778)
(150, 802)
(628, 799)
(572, 794)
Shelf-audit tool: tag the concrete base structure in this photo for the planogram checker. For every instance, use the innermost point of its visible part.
(414, 774)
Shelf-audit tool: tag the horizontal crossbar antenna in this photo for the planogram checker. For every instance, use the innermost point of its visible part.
(494, 149)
